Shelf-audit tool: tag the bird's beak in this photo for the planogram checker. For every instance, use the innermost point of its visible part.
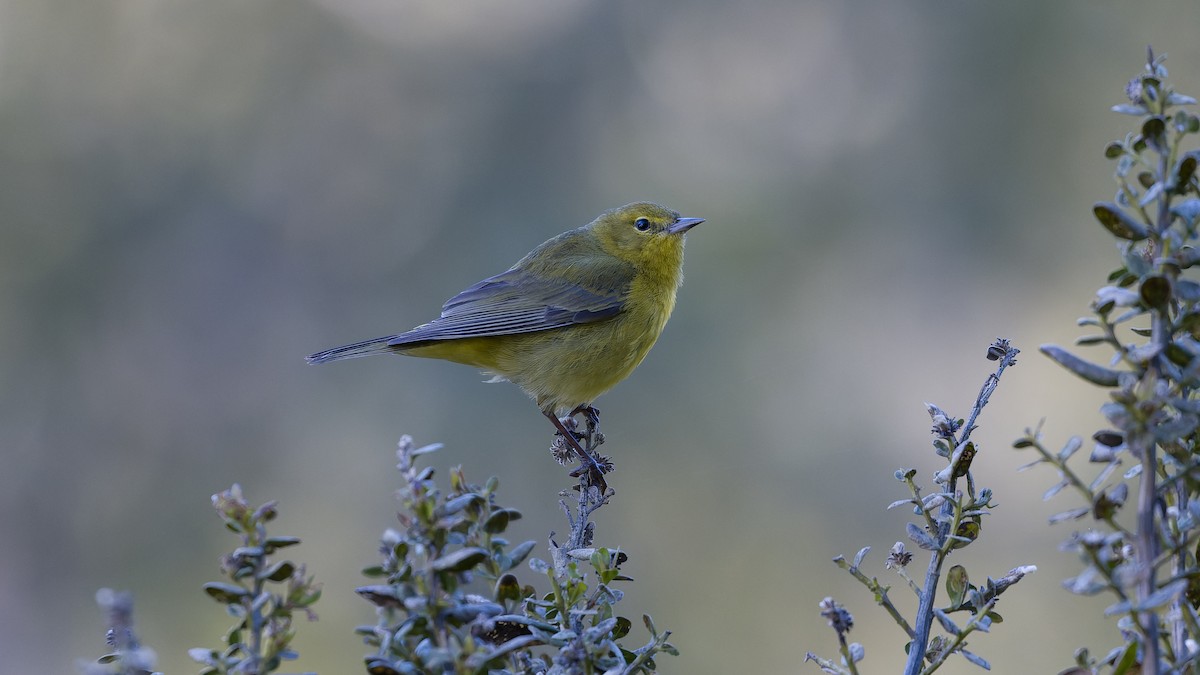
(684, 224)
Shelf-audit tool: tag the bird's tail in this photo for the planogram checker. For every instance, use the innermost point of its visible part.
(353, 351)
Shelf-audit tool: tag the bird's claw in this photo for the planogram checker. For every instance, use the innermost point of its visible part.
(583, 444)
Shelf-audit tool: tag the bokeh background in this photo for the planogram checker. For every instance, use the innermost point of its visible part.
(196, 194)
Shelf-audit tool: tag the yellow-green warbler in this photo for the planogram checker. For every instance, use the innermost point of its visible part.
(566, 323)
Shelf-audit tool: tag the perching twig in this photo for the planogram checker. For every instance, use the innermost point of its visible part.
(591, 498)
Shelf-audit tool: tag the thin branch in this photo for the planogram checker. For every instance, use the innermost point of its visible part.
(879, 591)
(960, 638)
(951, 513)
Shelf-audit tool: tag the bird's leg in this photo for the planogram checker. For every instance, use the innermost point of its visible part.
(593, 436)
(588, 463)
(594, 439)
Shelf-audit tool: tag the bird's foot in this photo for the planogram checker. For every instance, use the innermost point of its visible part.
(592, 465)
(591, 414)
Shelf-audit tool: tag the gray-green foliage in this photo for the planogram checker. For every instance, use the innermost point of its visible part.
(946, 520)
(127, 655)
(451, 602)
(1148, 318)
(262, 595)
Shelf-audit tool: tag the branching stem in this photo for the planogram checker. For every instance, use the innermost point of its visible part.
(949, 520)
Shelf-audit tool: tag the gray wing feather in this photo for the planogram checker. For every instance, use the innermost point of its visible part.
(516, 302)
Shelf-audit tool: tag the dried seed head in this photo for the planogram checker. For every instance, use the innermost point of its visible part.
(1133, 90)
(561, 451)
(898, 557)
(943, 425)
(836, 615)
(997, 349)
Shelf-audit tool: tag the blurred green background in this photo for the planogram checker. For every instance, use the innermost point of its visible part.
(197, 194)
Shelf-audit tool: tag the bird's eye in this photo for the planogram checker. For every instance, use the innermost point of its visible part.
(642, 224)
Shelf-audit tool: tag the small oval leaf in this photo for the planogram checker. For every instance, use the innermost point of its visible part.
(381, 596)
(622, 628)
(518, 552)
(1187, 290)
(497, 522)
(1186, 168)
(1130, 109)
(1116, 221)
(507, 589)
(273, 544)
(920, 537)
(279, 571)
(460, 560)
(226, 593)
(1155, 291)
(957, 584)
(457, 504)
(1099, 375)
(1188, 210)
(1072, 446)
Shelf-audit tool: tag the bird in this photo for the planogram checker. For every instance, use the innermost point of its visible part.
(567, 322)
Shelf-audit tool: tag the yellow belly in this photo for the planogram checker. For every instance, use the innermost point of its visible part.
(564, 367)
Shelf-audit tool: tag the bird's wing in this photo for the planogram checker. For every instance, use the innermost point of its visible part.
(517, 302)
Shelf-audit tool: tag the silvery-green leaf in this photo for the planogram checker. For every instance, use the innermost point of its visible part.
(1099, 375)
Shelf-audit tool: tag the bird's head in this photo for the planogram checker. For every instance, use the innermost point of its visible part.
(644, 234)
